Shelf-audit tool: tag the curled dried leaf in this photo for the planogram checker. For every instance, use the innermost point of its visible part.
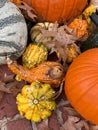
(74, 123)
(62, 37)
(29, 12)
(95, 3)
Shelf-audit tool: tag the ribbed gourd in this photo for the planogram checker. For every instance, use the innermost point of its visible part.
(72, 52)
(56, 10)
(81, 85)
(34, 55)
(36, 34)
(35, 101)
(13, 31)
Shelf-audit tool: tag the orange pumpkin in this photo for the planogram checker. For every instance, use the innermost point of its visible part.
(55, 10)
(81, 84)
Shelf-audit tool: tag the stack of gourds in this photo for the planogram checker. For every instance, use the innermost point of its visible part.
(36, 101)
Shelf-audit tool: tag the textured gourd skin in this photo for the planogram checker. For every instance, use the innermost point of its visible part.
(55, 10)
(13, 31)
(35, 101)
(36, 34)
(34, 55)
(46, 72)
(81, 84)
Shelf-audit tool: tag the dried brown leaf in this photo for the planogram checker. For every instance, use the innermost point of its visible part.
(74, 123)
(10, 87)
(28, 11)
(42, 125)
(61, 36)
(7, 120)
(94, 127)
(8, 78)
(70, 111)
(95, 3)
(3, 87)
(82, 125)
(1, 95)
(65, 35)
(69, 124)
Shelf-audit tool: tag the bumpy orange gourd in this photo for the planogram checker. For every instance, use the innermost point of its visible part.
(55, 10)
(80, 26)
(47, 72)
(81, 84)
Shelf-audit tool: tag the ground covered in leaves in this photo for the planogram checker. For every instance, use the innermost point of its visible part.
(63, 118)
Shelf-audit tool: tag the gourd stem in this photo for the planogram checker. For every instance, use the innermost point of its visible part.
(57, 94)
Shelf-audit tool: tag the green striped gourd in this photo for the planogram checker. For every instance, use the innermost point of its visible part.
(36, 34)
(13, 31)
(34, 55)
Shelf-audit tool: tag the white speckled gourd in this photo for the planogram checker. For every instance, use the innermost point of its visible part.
(13, 31)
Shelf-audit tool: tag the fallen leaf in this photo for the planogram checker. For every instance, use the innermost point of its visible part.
(74, 123)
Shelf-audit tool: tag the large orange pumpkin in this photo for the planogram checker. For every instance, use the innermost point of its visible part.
(81, 84)
(55, 10)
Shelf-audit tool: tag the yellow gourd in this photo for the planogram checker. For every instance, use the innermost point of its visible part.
(35, 102)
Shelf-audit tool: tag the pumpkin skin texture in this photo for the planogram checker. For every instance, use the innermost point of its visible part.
(81, 84)
(55, 10)
(13, 31)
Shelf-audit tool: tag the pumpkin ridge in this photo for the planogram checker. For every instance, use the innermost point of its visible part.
(89, 76)
(89, 108)
(91, 71)
(87, 64)
(79, 98)
(55, 7)
(76, 73)
(48, 4)
(83, 79)
(62, 12)
(72, 9)
(83, 95)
